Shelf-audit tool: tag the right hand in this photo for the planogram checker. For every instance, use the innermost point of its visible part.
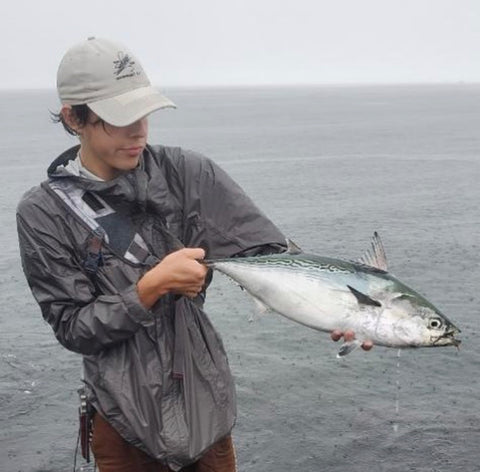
(179, 272)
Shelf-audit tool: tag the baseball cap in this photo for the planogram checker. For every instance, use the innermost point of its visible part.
(108, 78)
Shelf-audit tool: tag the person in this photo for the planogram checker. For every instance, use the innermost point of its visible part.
(112, 245)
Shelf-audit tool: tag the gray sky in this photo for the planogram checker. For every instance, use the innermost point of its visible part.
(243, 42)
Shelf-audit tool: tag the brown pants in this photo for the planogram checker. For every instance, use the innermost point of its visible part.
(113, 454)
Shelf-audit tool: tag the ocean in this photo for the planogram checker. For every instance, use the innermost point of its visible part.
(329, 165)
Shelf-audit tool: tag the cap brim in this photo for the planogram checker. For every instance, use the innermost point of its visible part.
(131, 106)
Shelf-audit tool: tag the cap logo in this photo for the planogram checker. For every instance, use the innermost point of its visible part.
(124, 67)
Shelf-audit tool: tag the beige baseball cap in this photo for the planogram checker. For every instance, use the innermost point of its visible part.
(108, 78)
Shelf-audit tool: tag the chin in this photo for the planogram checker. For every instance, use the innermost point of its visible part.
(132, 161)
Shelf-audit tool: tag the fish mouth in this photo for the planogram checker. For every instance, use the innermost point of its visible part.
(448, 338)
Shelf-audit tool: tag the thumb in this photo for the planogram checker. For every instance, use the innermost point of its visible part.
(195, 253)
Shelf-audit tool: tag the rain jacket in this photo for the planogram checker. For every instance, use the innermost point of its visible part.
(129, 352)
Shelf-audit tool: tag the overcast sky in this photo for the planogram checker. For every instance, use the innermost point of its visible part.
(247, 42)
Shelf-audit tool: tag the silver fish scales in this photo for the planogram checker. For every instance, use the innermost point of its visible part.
(325, 293)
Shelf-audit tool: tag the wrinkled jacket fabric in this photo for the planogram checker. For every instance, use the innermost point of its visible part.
(129, 351)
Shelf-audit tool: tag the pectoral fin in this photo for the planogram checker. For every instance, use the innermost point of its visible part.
(348, 347)
(362, 298)
(261, 307)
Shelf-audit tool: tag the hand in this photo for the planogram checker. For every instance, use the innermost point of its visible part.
(349, 336)
(179, 272)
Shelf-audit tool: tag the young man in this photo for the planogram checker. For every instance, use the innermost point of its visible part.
(111, 246)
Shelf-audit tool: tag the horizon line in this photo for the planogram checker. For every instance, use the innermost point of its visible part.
(278, 85)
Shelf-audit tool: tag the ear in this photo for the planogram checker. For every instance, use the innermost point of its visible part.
(70, 119)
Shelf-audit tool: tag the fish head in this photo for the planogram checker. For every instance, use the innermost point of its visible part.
(431, 326)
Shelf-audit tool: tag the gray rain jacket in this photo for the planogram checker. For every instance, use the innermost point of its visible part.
(130, 352)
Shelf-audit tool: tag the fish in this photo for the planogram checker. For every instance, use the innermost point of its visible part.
(326, 293)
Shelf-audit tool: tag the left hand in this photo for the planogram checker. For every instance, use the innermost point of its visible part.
(348, 336)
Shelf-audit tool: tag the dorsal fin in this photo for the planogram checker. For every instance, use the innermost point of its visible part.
(292, 248)
(375, 257)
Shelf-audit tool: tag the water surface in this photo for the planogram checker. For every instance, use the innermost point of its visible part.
(330, 165)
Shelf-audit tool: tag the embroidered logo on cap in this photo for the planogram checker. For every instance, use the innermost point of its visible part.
(124, 67)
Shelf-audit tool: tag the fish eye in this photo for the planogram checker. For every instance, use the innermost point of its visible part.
(435, 323)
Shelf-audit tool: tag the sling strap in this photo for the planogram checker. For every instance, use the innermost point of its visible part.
(90, 208)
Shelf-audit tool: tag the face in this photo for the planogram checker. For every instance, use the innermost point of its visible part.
(108, 150)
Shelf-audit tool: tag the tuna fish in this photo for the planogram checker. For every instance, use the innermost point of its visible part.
(324, 293)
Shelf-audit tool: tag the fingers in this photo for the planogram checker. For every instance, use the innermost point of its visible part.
(367, 345)
(187, 274)
(336, 335)
(179, 272)
(188, 293)
(194, 253)
(349, 336)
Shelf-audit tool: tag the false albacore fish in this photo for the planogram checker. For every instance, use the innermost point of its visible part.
(326, 294)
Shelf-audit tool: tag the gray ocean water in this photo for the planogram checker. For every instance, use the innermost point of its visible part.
(330, 165)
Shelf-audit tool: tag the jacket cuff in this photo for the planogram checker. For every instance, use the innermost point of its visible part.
(135, 309)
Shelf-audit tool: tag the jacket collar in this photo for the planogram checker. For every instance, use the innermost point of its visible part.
(132, 186)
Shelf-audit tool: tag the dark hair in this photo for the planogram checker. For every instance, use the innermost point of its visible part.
(80, 114)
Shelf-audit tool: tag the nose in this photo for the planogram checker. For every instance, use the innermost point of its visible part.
(138, 128)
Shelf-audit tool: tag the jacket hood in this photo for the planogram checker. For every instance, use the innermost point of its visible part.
(58, 167)
(131, 186)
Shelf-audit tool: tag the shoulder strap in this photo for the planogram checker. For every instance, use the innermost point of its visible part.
(86, 207)
(94, 257)
(71, 195)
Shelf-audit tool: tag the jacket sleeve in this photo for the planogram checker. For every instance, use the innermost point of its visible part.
(82, 321)
(220, 217)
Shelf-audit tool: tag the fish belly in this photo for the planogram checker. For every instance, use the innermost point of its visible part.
(316, 302)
